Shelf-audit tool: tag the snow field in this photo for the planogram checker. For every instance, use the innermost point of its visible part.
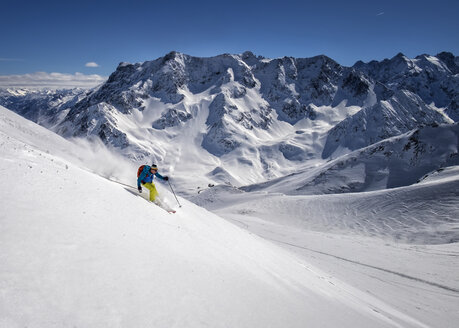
(426, 213)
(399, 245)
(79, 250)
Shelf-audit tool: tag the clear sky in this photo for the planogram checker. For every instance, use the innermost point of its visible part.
(65, 36)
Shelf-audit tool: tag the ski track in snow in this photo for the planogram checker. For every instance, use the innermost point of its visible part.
(420, 279)
(455, 290)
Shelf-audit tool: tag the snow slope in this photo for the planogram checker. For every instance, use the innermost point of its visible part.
(394, 162)
(79, 250)
(424, 213)
(399, 244)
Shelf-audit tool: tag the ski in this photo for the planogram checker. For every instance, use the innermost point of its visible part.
(167, 210)
(157, 202)
(160, 205)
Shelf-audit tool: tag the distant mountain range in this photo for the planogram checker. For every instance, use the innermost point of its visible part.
(247, 119)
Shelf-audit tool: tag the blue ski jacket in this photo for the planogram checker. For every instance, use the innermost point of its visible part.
(146, 176)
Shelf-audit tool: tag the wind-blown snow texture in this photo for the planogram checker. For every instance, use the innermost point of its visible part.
(247, 118)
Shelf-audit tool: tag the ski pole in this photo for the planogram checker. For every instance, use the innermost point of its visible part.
(174, 193)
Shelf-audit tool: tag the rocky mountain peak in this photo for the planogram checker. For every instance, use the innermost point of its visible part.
(451, 61)
(288, 109)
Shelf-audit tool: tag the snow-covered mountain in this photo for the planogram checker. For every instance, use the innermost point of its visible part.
(245, 118)
(45, 107)
(403, 112)
(245, 93)
(433, 78)
(394, 162)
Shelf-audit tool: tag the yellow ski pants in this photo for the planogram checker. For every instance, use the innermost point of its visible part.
(153, 192)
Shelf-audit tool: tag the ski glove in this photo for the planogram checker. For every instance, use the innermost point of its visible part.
(166, 178)
(140, 189)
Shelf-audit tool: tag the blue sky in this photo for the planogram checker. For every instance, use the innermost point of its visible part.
(63, 36)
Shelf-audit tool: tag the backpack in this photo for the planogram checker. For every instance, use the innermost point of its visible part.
(139, 171)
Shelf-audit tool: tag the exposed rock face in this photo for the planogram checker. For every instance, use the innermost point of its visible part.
(401, 113)
(433, 79)
(172, 117)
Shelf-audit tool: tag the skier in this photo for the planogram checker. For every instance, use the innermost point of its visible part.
(145, 176)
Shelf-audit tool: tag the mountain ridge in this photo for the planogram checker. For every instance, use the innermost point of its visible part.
(253, 117)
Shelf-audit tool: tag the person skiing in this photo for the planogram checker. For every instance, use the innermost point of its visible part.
(145, 176)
